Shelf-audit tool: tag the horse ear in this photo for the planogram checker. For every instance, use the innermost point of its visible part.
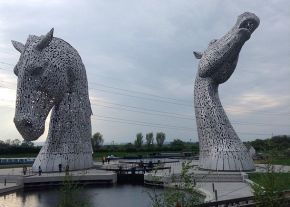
(44, 42)
(197, 55)
(18, 46)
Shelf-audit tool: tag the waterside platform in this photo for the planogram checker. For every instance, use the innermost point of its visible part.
(13, 179)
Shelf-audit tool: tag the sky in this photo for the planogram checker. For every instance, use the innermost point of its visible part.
(140, 67)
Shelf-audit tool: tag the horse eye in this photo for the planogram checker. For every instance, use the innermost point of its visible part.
(37, 71)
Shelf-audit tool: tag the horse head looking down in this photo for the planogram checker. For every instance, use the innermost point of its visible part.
(51, 76)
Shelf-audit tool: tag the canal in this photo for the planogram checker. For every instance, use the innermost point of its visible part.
(97, 196)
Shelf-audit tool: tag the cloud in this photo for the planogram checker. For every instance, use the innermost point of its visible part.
(147, 46)
(254, 101)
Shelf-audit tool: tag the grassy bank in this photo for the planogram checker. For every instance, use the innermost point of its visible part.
(98, 155)
(275, 161)
(281, 179)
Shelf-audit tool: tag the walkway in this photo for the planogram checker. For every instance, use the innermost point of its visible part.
(228, 190)
(15, 179)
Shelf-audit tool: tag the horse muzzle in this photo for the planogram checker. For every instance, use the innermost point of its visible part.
(29, 129)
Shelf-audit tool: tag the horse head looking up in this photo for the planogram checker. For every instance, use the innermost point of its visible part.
(52, 77)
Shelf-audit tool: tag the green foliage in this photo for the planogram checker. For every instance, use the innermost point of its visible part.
(149, 139)
(160, 138)
(268, 187)
(13, 147)
(71, 195)
(97, 140)
(15, 142)
(183, 194)
(177, 144)
(276, 143)
(27, 144)
(139, 140)
(129, 147)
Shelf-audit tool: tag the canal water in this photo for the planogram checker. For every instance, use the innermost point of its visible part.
(104, 196)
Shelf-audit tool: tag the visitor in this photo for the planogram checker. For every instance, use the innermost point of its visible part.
(60, 168)
(24, 170)
(66, 169)
(108, 159)
(150, 165)
(141, 164)
(133, 170)
(103, 160)
(120, 169)
(39, 170)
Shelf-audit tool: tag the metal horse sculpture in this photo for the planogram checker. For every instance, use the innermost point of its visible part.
(220, 147)
(51, 75)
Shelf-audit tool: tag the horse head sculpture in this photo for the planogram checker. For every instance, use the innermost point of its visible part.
(220, 147)
(52, 77)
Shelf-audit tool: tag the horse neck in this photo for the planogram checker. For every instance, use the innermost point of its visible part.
(206, 93)
(71, 116)
(207, 103)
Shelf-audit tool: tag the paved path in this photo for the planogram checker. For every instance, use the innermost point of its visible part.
(18, 171)
(228, 190)
(14, 177)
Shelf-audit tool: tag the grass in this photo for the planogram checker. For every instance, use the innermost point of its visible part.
(98, 155)
(275, 161)
(283, 178)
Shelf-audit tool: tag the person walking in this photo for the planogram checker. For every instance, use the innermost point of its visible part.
(24, 170)
(60, 168)
(66, 169)
(39, 170)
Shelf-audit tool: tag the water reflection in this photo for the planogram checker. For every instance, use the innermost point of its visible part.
(109, 196)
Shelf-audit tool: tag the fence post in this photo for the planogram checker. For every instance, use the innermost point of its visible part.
(215, 193)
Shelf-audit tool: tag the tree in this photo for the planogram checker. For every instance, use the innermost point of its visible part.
(160, 137)
(8, 141)
(71, 194)
(149, 139)
(97, 140)
(139, 140)
(129, 147)
(268, 188)
(177, 144)
(15, 142)
(183, 194)
(27, 143)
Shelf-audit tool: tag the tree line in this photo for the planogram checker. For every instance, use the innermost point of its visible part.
(15, 146)
(280, 144)
(277, 144)
(147, 143)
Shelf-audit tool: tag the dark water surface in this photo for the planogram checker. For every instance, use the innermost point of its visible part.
(105, 196)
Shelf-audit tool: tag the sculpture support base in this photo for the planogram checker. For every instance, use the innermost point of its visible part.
(50, 162)
(227, 161)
